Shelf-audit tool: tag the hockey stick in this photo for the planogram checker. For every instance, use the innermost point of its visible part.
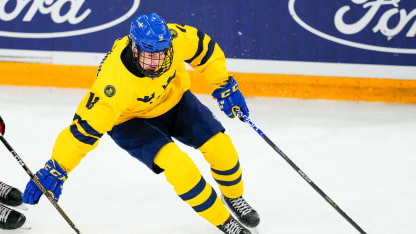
(243, 117)
(34, 178)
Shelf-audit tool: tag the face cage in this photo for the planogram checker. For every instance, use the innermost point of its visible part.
(163, 67)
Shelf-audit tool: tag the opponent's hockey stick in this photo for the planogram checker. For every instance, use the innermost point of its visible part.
(34, 178)
(243, 117)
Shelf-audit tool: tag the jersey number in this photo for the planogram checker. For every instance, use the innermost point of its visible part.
(92, 100)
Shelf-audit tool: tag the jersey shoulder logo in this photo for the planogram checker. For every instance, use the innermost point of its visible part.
(109, 91)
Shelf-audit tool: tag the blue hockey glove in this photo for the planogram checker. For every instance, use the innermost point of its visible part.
(229, 97)
(52, 177)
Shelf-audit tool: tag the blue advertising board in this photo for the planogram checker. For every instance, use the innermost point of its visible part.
(343, 31)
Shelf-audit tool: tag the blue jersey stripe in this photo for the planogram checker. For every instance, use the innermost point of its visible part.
(229, 183)
(81, 137)
(195, 191)
(201, 36)
(228, 172)
(211, 46)
(87, 127)
(208, 203)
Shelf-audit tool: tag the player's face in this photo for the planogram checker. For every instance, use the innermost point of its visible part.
(148, 60)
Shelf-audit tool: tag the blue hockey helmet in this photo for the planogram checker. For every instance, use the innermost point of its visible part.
(150, 33)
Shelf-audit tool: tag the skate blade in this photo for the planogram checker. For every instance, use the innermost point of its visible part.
(254, 230)
(25, 227)
(21, 207)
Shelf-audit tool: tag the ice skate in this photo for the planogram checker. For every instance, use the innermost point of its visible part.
(232, 226)
(10, 219)
(11, 196)
(244, 212)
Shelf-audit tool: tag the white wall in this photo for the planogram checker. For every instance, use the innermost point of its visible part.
(233, 65)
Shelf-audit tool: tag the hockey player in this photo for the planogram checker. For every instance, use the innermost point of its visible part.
(141, 98)
(11, 196)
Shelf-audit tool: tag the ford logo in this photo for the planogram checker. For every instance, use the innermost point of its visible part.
(66, 18)
(377, 25)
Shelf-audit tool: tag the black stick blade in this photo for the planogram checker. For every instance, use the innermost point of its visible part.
(2, 126)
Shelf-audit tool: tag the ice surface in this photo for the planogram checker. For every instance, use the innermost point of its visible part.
(362, 155)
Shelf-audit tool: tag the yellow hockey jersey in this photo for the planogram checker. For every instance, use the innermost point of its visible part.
(117, 95)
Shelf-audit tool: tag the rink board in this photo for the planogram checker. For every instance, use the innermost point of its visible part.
(251, 84)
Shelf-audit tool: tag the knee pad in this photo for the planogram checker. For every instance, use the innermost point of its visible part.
(225, 167)
(180, 170)
(219, 151)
